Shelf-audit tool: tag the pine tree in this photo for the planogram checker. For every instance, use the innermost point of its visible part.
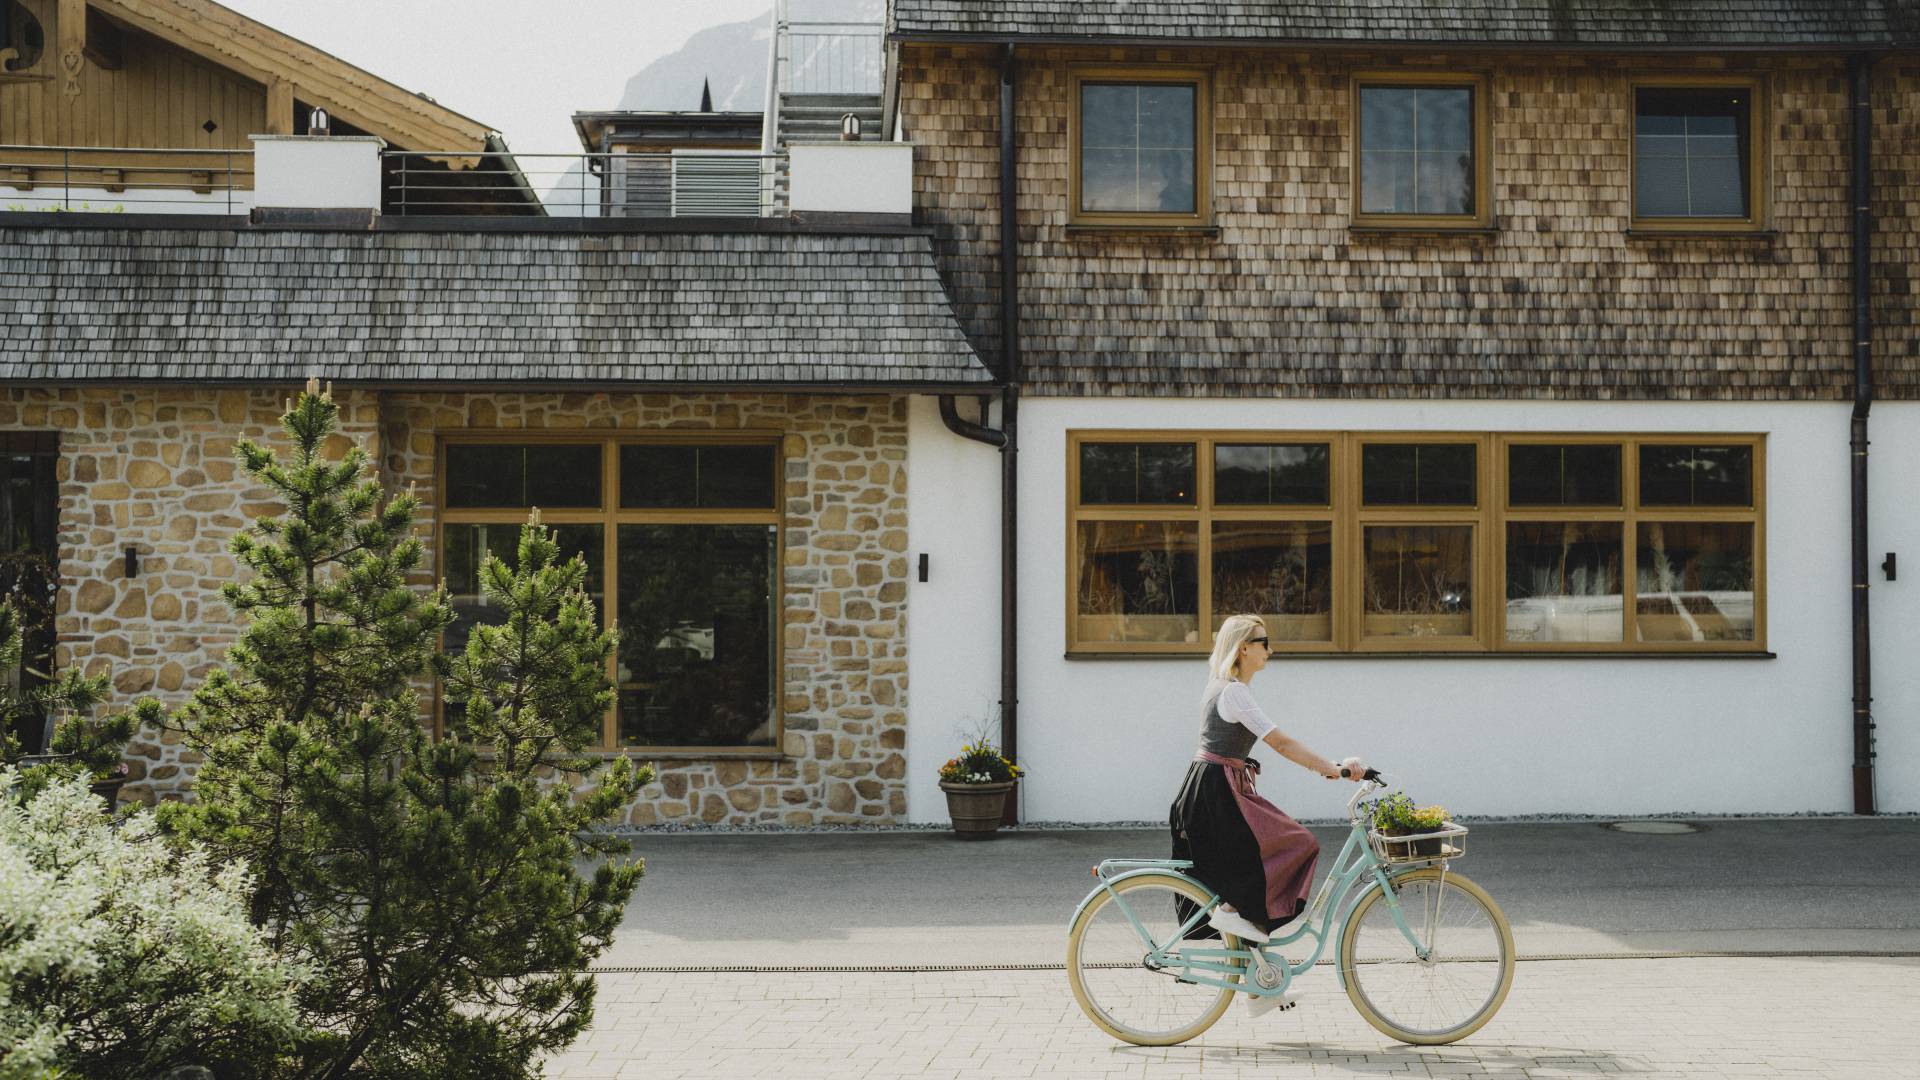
(431, 884)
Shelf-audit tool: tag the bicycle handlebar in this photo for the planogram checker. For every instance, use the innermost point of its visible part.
(1374, 781)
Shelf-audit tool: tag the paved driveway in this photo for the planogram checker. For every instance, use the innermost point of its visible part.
(884, 904)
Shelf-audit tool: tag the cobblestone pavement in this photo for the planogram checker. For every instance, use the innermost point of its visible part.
(1721, 1017)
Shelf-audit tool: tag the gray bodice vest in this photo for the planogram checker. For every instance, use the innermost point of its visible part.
(1222, 736)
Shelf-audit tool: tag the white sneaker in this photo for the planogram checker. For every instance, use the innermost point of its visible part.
(1232, 922)
(1261, 1006)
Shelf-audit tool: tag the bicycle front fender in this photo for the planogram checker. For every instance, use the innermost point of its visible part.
(1107, 885)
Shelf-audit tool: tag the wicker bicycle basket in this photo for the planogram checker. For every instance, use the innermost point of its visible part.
(1449, 841)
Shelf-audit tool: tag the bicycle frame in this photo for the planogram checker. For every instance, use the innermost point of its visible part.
(1357, 862)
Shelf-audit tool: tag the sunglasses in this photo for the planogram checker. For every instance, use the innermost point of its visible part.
(1262, 641)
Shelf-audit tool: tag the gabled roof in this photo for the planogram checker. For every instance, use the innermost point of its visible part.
(259, 52)
(81, 305)
(1764, 23)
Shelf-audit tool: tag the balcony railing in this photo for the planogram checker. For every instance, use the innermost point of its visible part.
(832, 58)
(680, 183)
(126, 178)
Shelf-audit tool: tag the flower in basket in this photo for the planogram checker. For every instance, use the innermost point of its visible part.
(1397, 815)
(980, 762)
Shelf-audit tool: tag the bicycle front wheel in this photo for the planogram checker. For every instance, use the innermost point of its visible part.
(1107, 963)
(1457, 987)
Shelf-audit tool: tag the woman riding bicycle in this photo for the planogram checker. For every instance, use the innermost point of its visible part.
(1259, 860)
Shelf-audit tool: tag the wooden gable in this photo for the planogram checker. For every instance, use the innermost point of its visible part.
(193, 74)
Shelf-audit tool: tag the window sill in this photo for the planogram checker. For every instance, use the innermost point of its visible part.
(1754, 235)
(1462, 654)
(1423, 230)
(1171, 232)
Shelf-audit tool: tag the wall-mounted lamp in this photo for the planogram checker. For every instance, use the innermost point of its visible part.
(850, 127)
(923, 565)
(1889, 566)
(319, 123)
(133, 561)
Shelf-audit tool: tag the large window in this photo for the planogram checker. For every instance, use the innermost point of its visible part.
(1399, 542)
(681, 536)
(1141, 147)
(1420, 151)
(1699, 155)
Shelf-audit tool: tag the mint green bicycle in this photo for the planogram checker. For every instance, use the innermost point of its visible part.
(1425, 954)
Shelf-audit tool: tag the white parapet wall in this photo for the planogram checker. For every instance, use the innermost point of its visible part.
(308, 172)
(852, 178)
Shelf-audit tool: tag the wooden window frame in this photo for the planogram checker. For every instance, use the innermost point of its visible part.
(1202, 80)
(1482, 215)
(1488, 518)
(610, 515)
(1759, 154)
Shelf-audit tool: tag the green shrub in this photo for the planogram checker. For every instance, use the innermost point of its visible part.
(121, 956)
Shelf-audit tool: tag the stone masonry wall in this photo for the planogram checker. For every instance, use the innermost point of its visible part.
(153, 469)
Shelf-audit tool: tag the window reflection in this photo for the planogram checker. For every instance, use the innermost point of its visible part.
(1281, 571)
(1564, 581)
(1695, 581)
(696, 621)
(1418, 581)
(1139, 581)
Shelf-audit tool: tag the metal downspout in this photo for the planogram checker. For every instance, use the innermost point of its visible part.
(1860, 70)
(1006, 437)
(1009, 422)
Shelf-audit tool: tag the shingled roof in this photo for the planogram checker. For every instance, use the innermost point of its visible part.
(1779, 23)
(460, 308)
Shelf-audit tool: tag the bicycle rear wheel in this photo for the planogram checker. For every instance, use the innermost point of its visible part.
(1106, 964)
(1460, 985)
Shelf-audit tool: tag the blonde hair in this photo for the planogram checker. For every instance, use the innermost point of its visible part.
(1224, 665)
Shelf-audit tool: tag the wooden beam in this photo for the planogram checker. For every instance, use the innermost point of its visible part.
(71, 29)
(263, 54)
(280, 107)
(104, 44)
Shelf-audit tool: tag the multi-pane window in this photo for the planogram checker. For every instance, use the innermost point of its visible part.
(1420, 151)
(681, 544)
(1697, 154)
(1141, 147)
(1414, 542)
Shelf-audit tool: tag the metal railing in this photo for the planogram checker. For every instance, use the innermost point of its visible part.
(811, 56)
(110, 179)
(832, 58)
(680, 183)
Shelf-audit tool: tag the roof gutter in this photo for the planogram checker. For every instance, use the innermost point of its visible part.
(1860, 77)
(1691, 48)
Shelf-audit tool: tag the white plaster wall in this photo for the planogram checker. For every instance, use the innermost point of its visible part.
(953, 618)
(1893, 470)
(1107, 740)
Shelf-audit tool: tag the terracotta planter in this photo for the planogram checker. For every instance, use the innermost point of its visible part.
(976, 809)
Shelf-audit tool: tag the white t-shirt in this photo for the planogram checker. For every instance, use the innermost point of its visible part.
(1238, 707)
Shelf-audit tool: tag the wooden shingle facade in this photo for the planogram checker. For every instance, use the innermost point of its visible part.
(1559, 298)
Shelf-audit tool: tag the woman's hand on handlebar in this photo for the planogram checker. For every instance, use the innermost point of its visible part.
(1356, 770)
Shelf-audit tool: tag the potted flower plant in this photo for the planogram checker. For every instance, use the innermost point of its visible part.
(977, 782)
(1397, 815)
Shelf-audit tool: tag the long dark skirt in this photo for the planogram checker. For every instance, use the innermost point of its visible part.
(1243, 847)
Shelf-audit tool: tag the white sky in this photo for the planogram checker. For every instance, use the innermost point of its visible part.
(521, 67)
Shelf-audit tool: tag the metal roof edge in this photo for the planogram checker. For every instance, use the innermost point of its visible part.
(954, 37)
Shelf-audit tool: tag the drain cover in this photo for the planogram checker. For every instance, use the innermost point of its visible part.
(1655, 828)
